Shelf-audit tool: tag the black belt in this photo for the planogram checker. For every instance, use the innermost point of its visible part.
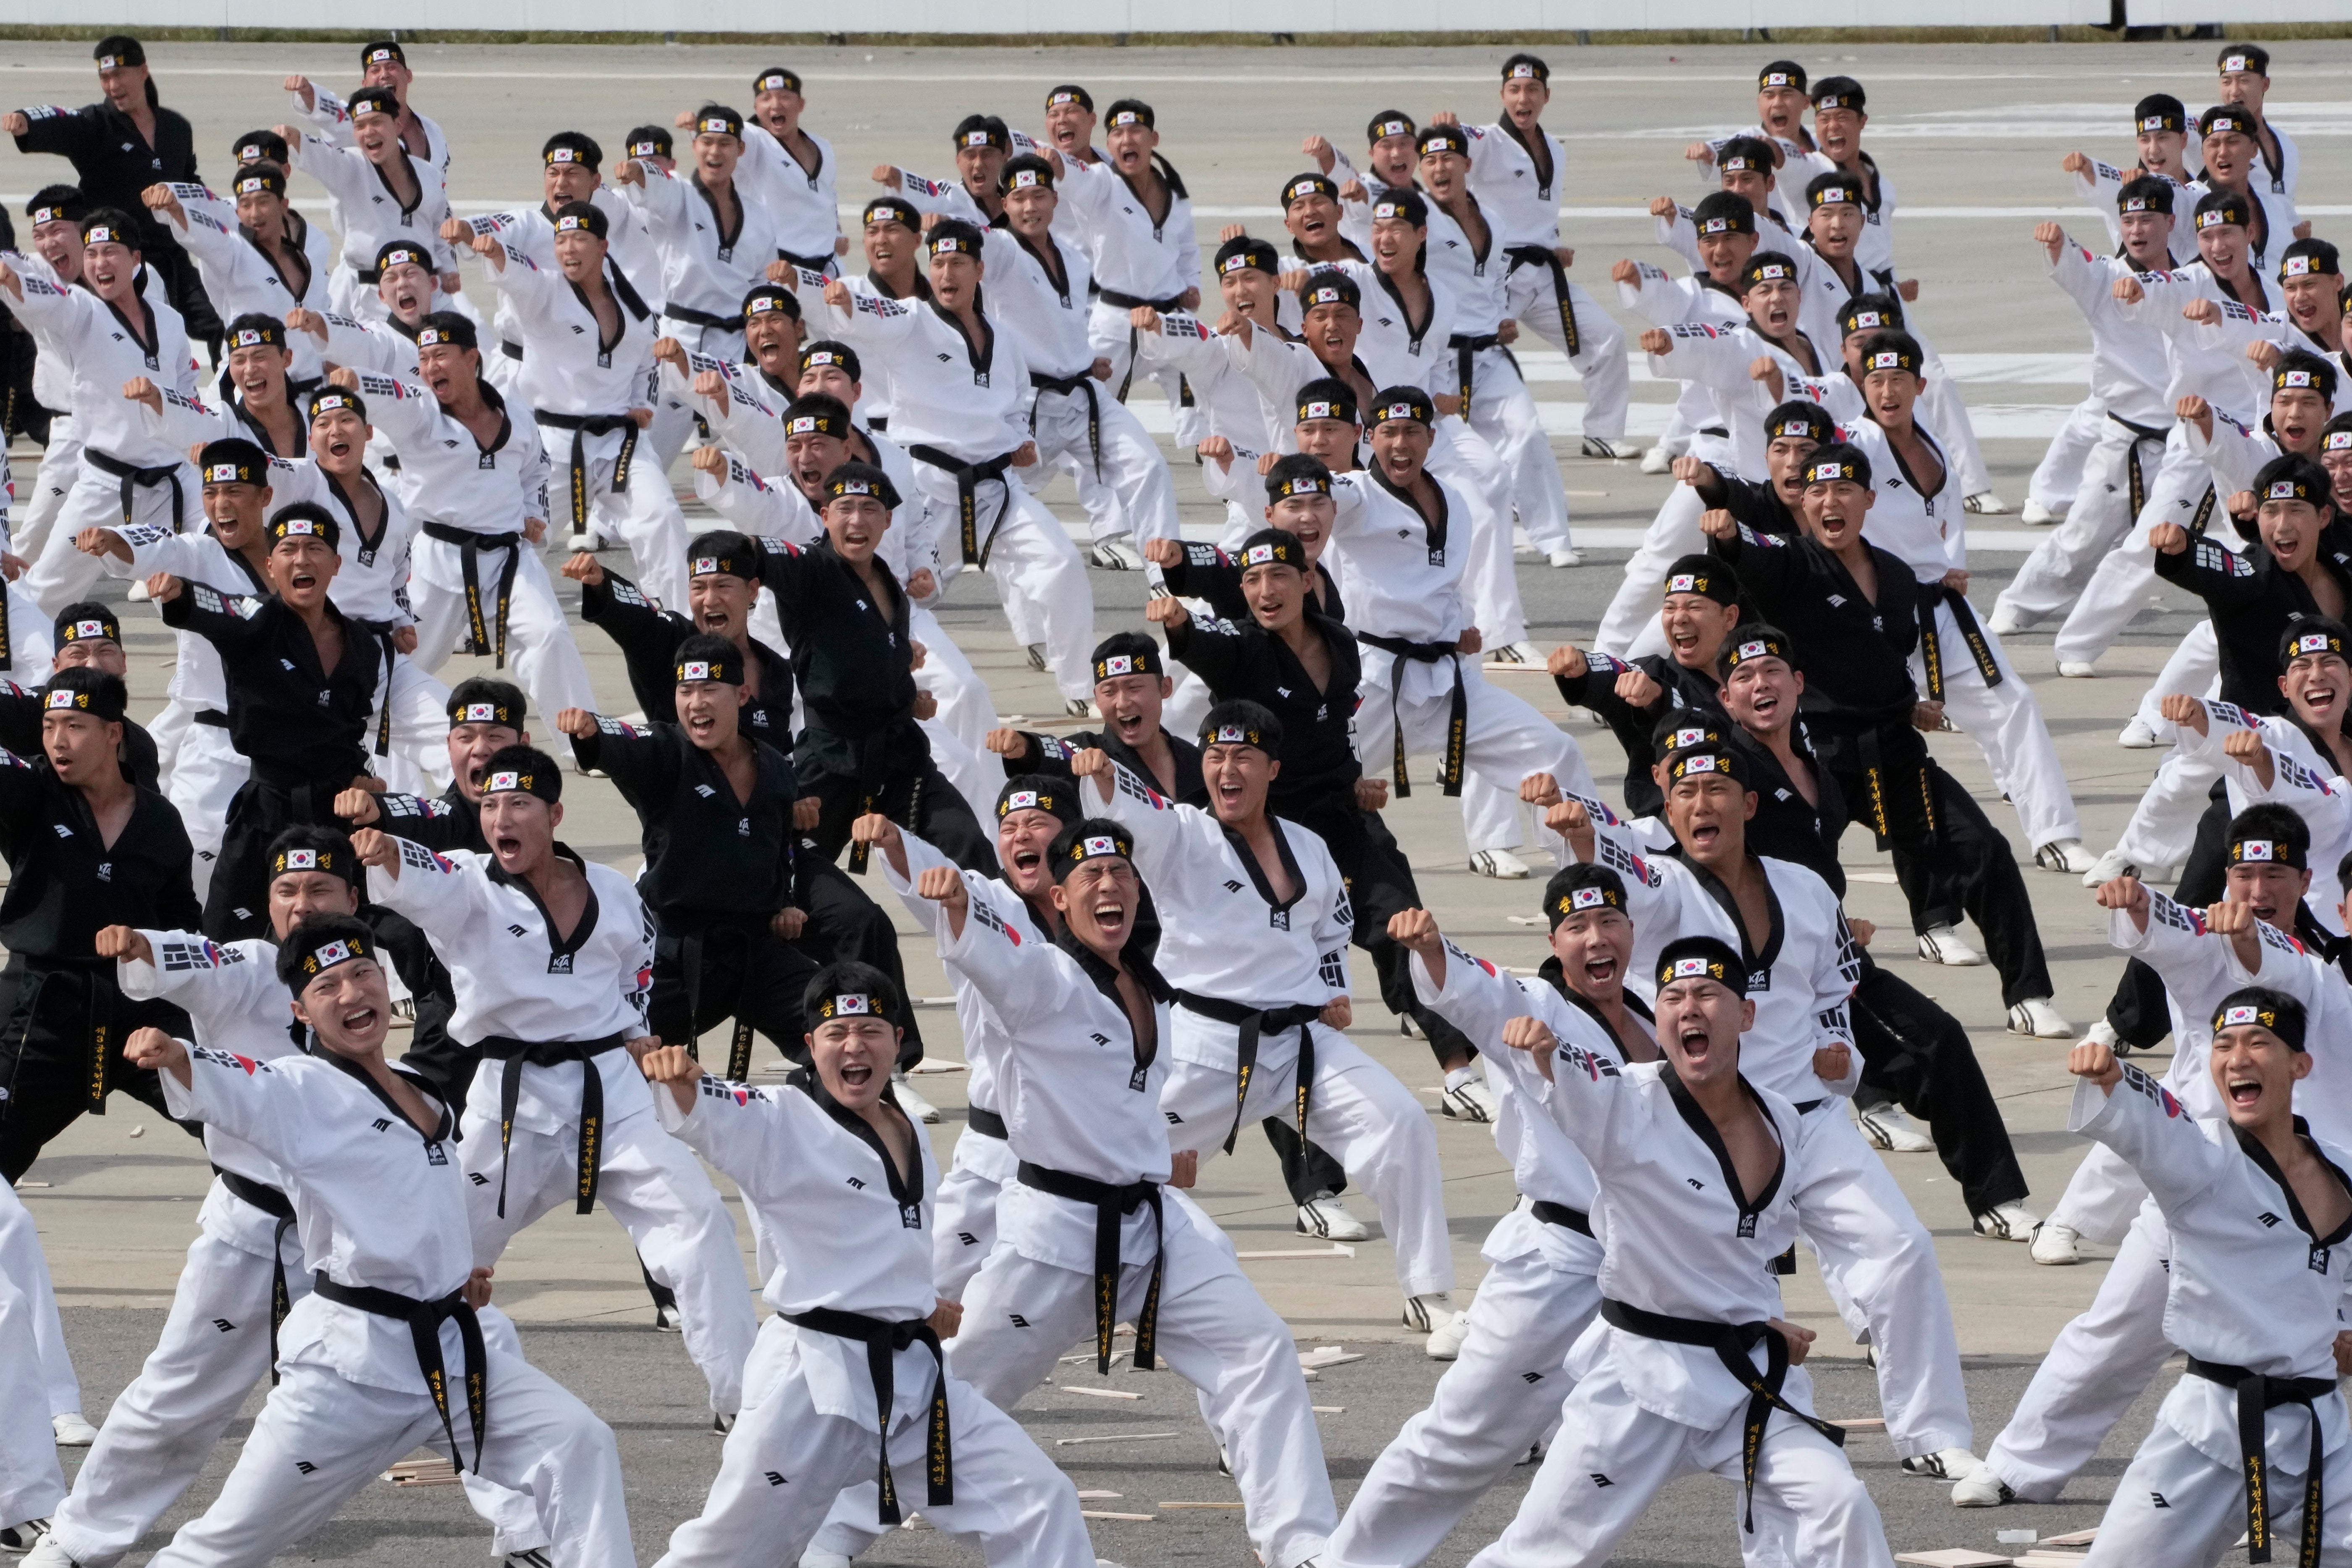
(2204, 513)
(1457, 717)
(470, 545)
(1127, 302)
(276, 1204)
(370, 276)
(1560, 1214)
(512, 350)
(581, 426)
(211, 718)
(690, 947)
(424, 1320)
(2258, 1394)
(1467, 349)
(1731, 1343)
(520, 1054)
(1931, 646)
(2142, 436)
(1718, 431)
(883, 1340)
(807, 263)
(986, 1122)
(1069, 386)
(95, 1026)
(1254, 1021)
(677, 312)
(968, 477)
(1806, 1108)
(1111, 1206)
(135, 478)
(1544, 255)
(1875, 779)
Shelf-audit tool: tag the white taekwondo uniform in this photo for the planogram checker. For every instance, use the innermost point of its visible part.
(854, 1244)
(1137, 261)
(327, 114)
(800, 201)
(531, 230)
(241, 279)
(2109, 1352)
(1232, 406)
(557, 1109)
(1244, 1030)
(706, 269)
(2257, 1305)
(961, 410)
(380, 1209)
(31, 1484)
(366, 216)
(1687, 1252)
(1503, 1391)
(1086, 1236)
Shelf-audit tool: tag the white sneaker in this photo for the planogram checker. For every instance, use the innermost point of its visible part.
(1037, 660)
(2056, 1246)
(2139, 735)
(1890, 1127)
(1470, 1101)
(72, 1430)
(1077, 708)
(1658, 460)
(1565, 556)
(1942, 944)
(27, 1536)
(2036, 1019)
(913, 1104)
(2036, 515)
(1430, 1314)
(2077, 670)
(47, 1553)
(1944, 1465)
(1444, 1342)
(813, 1558)
(1984, 504)
(1325, 1216)
(2005, 622)
(1610, 446)
(667, 1319)
(1520, 652)
(2007, 1221)
(1981, 1490)
(1115, 555)
(535, 1557)
(2108, 866)
(2063, 854)
(1499, 863)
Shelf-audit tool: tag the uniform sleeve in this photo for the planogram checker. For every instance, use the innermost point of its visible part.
(2140, 1119)
(1162, 830)
(1655, 297)
(401, 411)
(642, 761)
(1587, 1098)
(332, 166)
(2232, 453)
(872, 323)
(1214, 649)
(1477, 998)
(1016, 974)
(216, 983)
(213, 615)
(246, 1099)
(1836, 966)
(662, 198)
(2224, 579)
(1185, 342)
(21, 790)
(210, 231)
(434, 890)
(434, 824)
(325, 114)
(1770, 569)
(52, 128)
(744, 1132)
(50, 309)
(155, 548)
(531, 291)
(185, 420)
(2190, 959)
(1678, 233)
(1715, 357)
(946, 197)
(364, 346)
(1334, 928)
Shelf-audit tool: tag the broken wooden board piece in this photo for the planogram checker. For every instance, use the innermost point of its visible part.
(1093, 1393)
(2041, 1557)
(1336, 1249)
(1328, 1355)
(1124, 1518)
(1859, 1423)
(1215, 1505)
(423, 1473)
(1952, 1557)
(1111, 1437)
(1099, 1496)
(2072, 1537)
(1329, 1409)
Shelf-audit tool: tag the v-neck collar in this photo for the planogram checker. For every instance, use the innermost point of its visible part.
(506, 423)
(260, 431)
(2251, 1147)
(1435, 527)
(1776, 930)
(1554, 973)
(1538, 152)
(407, 209)
(1413, 333)
(144, 334)
(899, 618)
(1057, 267)
(368, 545)
(1895, 451)
(727, 236)
(1255, 870)
(442, 1131)
(1105, 977)
(981, 355)
(567, 946)
(810, 172)
(298, 231)
(1701, 1124)
(906, 1187)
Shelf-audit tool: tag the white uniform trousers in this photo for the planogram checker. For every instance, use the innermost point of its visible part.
(31, 1483)
(2103, 1198)
(1038, 571)
(1492, 817)
(977, 775)
(2163, 826)
(61, 573)
(2058, 477)
(22, 1264)
(2119, 589)
(2099, 515)
(1462, 457)
(1216, 1332)
(965, 707)
(1672, 534)
(2006, 724)
(1356, 1109)
(1112, 336)
(1600, 356)
(1613, 1457)
(643, 513)
(2097, 1367)
(964, 1223)
(37, 510)
(544, 660)
(1874, 1252)
(2175, 1506)
(786, 1462)
(205, 776)
(1943, 410)
(653, 1184)
(420, 729)
(1504, 412)
(2193, 667)
(30, 637)
(1133, 496)
(1504, 738)
(1183, 712)
(1497, 1400)
(321, 1438)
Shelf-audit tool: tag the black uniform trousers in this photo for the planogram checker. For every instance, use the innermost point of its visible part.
(2138, 1012)
(711, 970)
(1921, 1056)
(444, 1060)
(62, 1024)
(913, 793)
(237, 905)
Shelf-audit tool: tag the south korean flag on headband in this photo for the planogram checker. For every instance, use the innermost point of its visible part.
(804, 424)
(222, 474)
(1690, 969)
(1682, 583)
(1688, 738)
(2295, 267)
(88, 629)
(247, 338)
(563, 155)
(1864, 320)
(322, 959)
(1100, 845)
(1698, 764)
(705, 565)
(1023, 179)
(2287, 378)
(1117, 664)
(2257, 849)
(694, 669)
(503, 781)
(294, 525)
(2232, 1017)
(851, 1005)
(479, 714)
(2283, 490)
(300, 860)
(1315, 409)
(2310, 642)
(61, 698)
(1752, 650)
(1886, 359)
(1587, 898)
(1230, 735)
(1257, 555)
(1022, 800)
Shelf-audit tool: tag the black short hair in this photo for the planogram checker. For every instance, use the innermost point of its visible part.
(848, 974)
(525, 759)
(2268, 819)
(1133, 644)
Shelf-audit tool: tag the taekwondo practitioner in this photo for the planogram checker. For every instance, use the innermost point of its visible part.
(105, 331)
(53, 226)
(716, 238)
(2257, 1306)
(1086, 1232)
(1494, 1406)
(383, 64)
(85, 635)
(851, 1362)
(256, 396)
(1877, 1258)
(788, 170)
(1853, 612)
(478, 488)
(256, 255)
(1689, 1151)
(362, 1147)
(965, 421)
(2107, 1354)
(1516, 166)
(557, 1109)
(588, 372)
(377, 192)
(1256, 1029)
